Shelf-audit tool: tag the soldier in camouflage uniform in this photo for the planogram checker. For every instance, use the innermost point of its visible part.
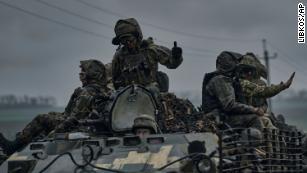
(82, 102)
(254, 90)
(219, 95)
(249, 77)
(136, 60)
(261, 73)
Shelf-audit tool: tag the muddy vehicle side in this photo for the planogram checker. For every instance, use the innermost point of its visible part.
(114, 154)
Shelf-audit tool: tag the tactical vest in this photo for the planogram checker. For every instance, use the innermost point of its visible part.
(97, 93)
(209, 102)
(100, 98)
(72, 100)
(137, 68)
(258, 101)
(239, 92)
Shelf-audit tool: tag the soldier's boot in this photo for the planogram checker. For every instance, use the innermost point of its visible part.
(9, 147)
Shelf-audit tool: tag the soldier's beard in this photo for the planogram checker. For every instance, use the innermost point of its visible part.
(132, 47)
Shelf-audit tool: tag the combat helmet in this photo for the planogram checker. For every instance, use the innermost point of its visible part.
(261, 69)
(125, 27)
(247, 64)
(145, 121)
(227, 61)
(94, 70)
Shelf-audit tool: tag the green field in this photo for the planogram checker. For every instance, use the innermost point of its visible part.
(24, 114)
(13, 120)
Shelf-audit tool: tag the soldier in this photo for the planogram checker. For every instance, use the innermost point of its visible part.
(80, 105)
(251, 84)
(254, 90)
(144, 125)
(219, 95)
(136, 60)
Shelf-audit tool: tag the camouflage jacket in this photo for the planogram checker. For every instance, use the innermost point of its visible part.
(258, 89)
(220, 91)
(141, 67)
(259, 101)
(86, 99)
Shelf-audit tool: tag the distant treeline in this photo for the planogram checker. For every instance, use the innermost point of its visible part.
(13, 101)
(292, 95)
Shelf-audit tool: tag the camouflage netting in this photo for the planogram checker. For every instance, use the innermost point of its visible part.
(181, 115)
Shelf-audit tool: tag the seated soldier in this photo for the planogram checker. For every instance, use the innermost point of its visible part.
(144, 125)
(219, 95)
(81, 103)
(248, 75)
(254, 90)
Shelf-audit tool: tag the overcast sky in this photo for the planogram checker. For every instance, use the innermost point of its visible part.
(42, 41)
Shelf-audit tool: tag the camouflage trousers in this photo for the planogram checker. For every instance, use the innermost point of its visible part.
(42, 124)
(267, 122)
(258, 122)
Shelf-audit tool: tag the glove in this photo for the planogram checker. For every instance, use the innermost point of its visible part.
(289, 81)
(259, 111)
(176, 51)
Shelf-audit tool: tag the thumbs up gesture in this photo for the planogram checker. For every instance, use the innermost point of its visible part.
(176, 51)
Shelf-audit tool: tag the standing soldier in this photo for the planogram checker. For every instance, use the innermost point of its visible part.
(80, 105)
(136, 60)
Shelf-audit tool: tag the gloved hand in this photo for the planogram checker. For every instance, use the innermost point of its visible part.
(259, 111)
(289, 81)
(176, 51)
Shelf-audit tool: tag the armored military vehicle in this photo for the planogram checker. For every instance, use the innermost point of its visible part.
(224, 150)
